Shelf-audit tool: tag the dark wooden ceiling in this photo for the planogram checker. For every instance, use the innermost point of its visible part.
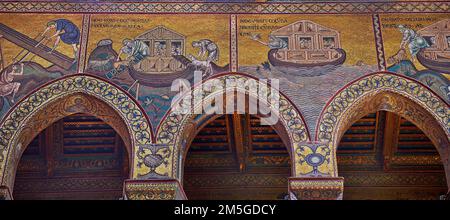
(384, 156)
(381, 156)
(78, 157)
(235, 157)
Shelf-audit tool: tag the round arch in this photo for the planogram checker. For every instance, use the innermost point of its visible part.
(389, 92)
(176, 128)
(195, 127)
(67, 96)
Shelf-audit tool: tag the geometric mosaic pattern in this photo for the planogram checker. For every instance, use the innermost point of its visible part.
(153, 190)
(238, 8)
(316, 188)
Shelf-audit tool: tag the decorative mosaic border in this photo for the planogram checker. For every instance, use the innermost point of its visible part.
(173, 126)
(82, 52)
(125, 106)
(316, 188)
(392, 179)
(379, 42)
(238, 8)
(153, 190)
(233, 43)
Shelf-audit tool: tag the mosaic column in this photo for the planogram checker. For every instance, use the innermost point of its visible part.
(164, 189)
(5, 193)
(315, 171)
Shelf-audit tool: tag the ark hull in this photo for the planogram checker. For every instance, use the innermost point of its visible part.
(279, 63)
(438, 66)
(160, 80)
(166, 79)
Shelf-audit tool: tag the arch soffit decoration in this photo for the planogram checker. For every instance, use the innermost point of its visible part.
(384, 91)
(175, 128)
(64, 93)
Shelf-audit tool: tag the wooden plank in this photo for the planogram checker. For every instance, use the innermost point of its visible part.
(239, 141)
(356, 127)
(406, 135)
(84, 123)
(88, 146)
(200, 144)
(213, 129)
(266, 135)
(34, 47)
(356, 135)
(88, 138)
(84, 130)
(391, 132)
(203, 136)
(356, 143)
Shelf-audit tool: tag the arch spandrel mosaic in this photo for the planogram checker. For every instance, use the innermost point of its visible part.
(315, 50)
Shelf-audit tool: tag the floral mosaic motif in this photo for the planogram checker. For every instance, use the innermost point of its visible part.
(173, 127)
(313, 160)
(152, 156)
(131, 114)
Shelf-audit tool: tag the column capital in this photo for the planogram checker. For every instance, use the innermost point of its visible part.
(5, 193)
(316, 188)
(155, 189)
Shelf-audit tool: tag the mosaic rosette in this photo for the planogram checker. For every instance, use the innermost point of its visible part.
(313, 160)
